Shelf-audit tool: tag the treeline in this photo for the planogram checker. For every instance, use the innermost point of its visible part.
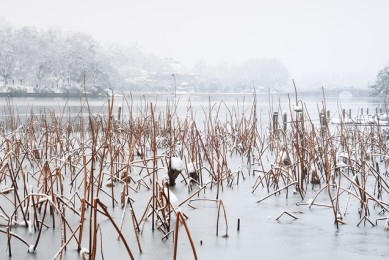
(51, 61)
(46, 61)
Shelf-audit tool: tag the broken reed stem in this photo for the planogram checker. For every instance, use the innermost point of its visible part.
(136, 229)
(275, 192)
(103, 207)
(11, 234)
(192, 195)
(221, 205)
(66, 243)
(180, 218)
(287, 213)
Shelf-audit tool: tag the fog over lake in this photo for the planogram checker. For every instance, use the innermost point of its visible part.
(320, 42)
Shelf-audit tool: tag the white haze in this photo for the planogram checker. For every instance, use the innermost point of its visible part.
(342, 40)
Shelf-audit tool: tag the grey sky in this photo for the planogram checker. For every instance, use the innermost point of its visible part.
(308, 36)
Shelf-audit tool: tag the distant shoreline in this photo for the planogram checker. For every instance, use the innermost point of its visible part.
(48, 95)
(328, 93)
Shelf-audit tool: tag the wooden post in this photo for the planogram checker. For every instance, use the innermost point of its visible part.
(285, 120)
(119, 112)
(322, 119)
(275, 122)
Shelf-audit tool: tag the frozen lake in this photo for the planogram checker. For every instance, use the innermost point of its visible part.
(312, 235)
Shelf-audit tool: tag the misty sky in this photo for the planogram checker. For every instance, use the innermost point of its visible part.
(310, 37)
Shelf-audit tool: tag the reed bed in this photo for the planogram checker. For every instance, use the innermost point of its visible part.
(66, 172)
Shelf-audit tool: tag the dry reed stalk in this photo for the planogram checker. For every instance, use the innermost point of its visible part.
(180, 218)
(40, 228)
(327, 167)
(275, 192)
(83, 204)
(66, 243)
(103, 207)
(136, 229)
(154, 144)
(287, 213)
(93, 233)
(9, 235)
(221, 205)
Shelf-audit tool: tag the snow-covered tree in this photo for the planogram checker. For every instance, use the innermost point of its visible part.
(381, 86)
(7, 54)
